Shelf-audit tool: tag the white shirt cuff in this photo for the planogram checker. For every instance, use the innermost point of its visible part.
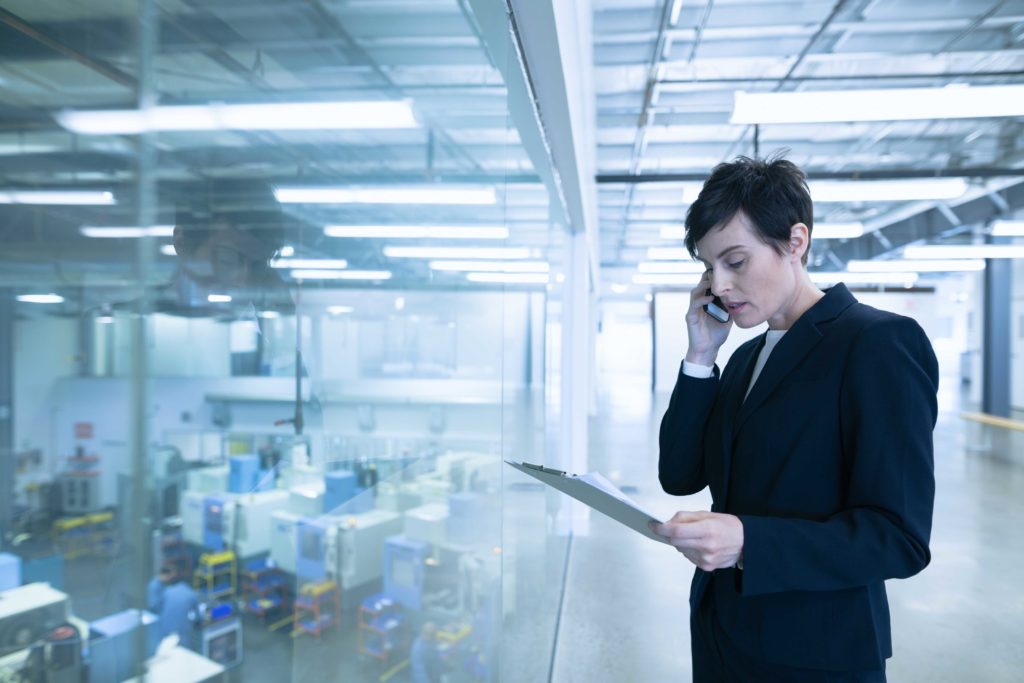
(698, 371)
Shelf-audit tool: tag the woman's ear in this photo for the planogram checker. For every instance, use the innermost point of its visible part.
(799, 240)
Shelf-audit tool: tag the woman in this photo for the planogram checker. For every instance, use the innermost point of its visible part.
(816, 442)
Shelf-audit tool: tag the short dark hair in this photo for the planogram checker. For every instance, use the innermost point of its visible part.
(772, 193)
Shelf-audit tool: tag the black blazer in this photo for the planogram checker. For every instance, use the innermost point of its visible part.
(828, 463)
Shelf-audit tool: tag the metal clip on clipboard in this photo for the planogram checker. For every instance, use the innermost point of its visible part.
(596, 492)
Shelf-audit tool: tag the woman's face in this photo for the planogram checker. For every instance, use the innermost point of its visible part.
(754, 281)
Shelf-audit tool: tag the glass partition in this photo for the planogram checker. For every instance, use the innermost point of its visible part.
(280, 293)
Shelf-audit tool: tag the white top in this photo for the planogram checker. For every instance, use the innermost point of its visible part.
(772, 338)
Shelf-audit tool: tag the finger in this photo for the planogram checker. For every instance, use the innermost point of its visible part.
(688, 530)
(684, 516)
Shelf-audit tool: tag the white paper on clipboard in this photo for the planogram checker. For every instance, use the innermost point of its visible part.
(595, 491)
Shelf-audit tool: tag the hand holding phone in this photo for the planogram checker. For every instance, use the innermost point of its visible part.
(716, 309)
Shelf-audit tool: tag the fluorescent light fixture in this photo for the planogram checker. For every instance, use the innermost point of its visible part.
(57, 197)
(619, 287)
(447, 232)
(168, 250)
(269, 315)
(510, 278)
(127, 231)
(338, 310)
(287, 251)
(678, 279)
(668, 254)
(916, 266)
(276, 116)
(916, 189)
(41, 298)
(835, 231)
(671, 267)
(309, 263)
(493, 253)
(305, 274)
(219, 298)
(964, 251)
(890, 104)
(673, 232)
(1003, 228)
(420, 194)
(491, 266)
(105, 319)
(677, 6)
(907, 278)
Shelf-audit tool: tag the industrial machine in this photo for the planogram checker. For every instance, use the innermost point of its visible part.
(243, 473)
(344, 548)
(208, 479)
(307, 499)
(112, 644)
(27, 613)
(238, 522)
(221, 641)
(283, 536)
(428, 523)
(80, 492)
(404, 565)
(10, 571)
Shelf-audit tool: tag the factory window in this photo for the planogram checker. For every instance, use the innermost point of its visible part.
(277, 282)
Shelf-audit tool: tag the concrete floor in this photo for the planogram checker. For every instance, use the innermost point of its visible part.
(625, 613)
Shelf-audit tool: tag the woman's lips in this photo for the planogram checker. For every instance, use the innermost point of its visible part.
(736, 308)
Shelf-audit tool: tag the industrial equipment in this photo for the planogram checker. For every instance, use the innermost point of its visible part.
(404, 563)
(428, 523)
(307, 499)
(27, 613)
(208, 479)
(221, 641)
(283, 549)
(113, 642)
(10, 571)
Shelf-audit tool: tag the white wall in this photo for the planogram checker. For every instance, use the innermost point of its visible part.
(44, 350)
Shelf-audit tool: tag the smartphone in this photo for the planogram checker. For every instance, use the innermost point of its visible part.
(716, 309)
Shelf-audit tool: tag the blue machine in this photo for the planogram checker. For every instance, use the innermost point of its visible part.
(112, 644)
(213, 522)
(10, 571)
(243, 473)
(311, 550)
(45, 569)
(339, 488)
(404, 561)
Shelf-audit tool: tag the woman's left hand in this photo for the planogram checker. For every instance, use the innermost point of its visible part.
(708, 539)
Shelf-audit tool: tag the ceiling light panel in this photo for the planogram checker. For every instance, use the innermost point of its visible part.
(440, 194)
(496, 232)
(274, 116)
(891, 104)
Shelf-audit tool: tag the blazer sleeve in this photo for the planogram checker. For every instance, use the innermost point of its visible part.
(888, 409)
(681, 439)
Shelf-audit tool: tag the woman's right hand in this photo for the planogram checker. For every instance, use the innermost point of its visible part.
(706, 334)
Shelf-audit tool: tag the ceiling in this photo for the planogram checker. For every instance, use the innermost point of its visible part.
(63, 54)
(665, 96)
(664, 93)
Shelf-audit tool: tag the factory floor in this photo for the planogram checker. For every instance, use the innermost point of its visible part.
(624, 615)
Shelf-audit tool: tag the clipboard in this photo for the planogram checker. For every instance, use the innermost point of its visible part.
(596, 492)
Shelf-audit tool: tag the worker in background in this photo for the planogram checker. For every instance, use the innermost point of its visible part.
(173, 600)
(424, 659)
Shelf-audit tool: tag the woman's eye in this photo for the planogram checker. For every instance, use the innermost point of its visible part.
(736, 265)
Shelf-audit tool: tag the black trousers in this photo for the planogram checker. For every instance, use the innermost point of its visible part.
(716, 660)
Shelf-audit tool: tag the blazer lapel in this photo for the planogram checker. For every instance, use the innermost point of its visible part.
(792, 349)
